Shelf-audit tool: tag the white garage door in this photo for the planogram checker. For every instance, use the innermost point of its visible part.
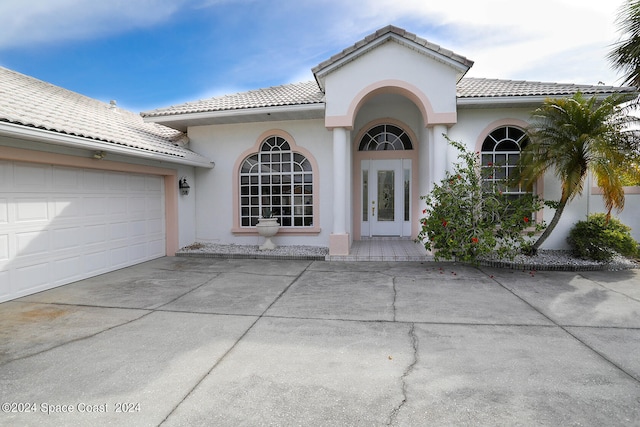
(62, 224)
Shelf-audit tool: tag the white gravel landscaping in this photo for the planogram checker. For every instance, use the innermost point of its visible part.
(560, 260)
(544, 260)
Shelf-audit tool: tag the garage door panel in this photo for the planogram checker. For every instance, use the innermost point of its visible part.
(94, 206)
(68, 208)
(31, 243)
(119, 257)
(4, 247)
(156, 248)
(27, 177)
(68, 179)
(93, 180)
(95, 234)
(32, 278)
(118, 231)
(4, 211)
(117, 206)
(137, 183)
(153, 184)
(67, 270)
(5, 285)
(95, 262)
(137, 206)
(137, 253)
(31, 209)
(64, 224)
(155, 226)
(66, 238)
(137, 228)
(153, 205)
(116, 182)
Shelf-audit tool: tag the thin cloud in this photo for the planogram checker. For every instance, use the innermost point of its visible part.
(46, 22)
(247, 44)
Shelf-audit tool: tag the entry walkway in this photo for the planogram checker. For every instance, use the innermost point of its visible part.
(384, 249)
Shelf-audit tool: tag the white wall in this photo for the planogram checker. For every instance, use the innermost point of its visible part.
(472, 122)
(224, 144)
(433, 78)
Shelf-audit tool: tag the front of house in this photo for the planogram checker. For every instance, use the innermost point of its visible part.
(347, 157)
(86, 188)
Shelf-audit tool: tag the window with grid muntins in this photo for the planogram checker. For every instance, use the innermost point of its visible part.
(384, 138)
(278, 180)
(500, 154)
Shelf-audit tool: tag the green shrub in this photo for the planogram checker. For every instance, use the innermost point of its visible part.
(466, 219)
(600, 239)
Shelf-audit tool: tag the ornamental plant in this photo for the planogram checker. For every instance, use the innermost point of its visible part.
(601, 238)
(467, 217)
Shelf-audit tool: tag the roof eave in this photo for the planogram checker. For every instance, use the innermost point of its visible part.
(502, 101)
(17, 131)
(516, 100)
(181, 120)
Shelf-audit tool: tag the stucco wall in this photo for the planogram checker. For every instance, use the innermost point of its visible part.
(473, 123)
(379, 68)
(225, 144)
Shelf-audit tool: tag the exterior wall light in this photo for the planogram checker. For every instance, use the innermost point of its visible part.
(184, 186)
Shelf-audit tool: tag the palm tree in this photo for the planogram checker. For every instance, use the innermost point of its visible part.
(574, 135)
(625, 54)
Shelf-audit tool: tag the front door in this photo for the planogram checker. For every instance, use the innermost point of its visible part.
(386, 189)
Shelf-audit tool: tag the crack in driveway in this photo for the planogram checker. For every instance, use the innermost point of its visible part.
(405, 374)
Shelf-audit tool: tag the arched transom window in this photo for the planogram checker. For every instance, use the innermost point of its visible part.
(276, 181)
(500, 153)
(385, 137)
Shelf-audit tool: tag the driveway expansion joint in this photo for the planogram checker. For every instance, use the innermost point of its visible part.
(568, 332)
(233, 346)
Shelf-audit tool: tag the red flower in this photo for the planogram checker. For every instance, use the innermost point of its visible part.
(444, 223)
(424, 211)
(474, 240)
(526, 219)
(489, 164)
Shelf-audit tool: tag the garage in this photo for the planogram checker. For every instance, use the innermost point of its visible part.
(61, 224)
(85, 187)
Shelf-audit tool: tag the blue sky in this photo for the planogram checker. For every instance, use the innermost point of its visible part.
(149, 54)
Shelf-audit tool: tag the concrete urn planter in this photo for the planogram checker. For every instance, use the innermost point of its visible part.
(267, 228)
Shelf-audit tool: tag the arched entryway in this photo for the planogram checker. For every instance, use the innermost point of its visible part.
(385, 173)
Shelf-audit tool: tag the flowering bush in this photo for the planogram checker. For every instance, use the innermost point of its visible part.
(467, 217)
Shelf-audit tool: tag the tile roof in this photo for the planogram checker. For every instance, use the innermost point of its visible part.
(309, 93)
(33, 103)
(285, 95)
(391, 30)
(470, 87)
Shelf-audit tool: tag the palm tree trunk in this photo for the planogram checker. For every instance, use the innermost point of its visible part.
(554, 221)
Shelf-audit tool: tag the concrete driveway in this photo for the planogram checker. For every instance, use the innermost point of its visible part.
(189, 341)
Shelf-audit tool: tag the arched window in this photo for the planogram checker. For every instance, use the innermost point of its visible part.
(385, 137)
(500, 154)
(278, 181)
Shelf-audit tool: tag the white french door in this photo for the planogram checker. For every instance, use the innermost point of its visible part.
(385, 192)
